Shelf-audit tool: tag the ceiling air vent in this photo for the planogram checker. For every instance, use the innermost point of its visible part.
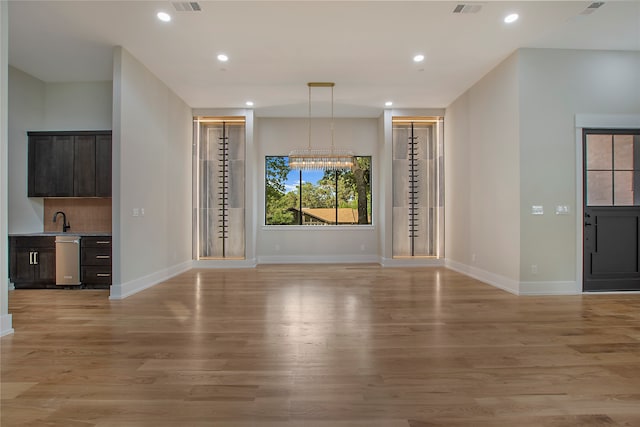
(186, 6)
(467, 8)
(592, 8)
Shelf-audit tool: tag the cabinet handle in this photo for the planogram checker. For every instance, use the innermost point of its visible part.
(103, 256)
(103, 275)
(30, 258)
(102, 242)
(35, 258)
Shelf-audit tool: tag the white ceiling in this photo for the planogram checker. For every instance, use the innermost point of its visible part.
(276, 47)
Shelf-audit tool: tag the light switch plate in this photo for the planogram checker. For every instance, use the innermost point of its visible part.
(562, 210)
(537, 210)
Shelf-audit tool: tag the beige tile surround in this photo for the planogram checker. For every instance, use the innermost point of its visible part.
(89, 215)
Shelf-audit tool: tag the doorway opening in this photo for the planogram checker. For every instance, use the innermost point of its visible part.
(418, 192)
(219, 189)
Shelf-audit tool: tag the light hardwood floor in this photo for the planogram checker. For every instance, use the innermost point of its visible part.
(321, 346)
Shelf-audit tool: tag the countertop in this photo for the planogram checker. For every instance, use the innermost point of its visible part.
(59, 233)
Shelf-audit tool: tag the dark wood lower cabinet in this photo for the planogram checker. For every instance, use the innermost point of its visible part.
(32, 260)
(95, 259)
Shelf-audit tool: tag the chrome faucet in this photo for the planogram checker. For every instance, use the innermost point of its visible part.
(65, 224)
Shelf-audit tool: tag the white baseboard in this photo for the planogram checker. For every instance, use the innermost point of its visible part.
(224, 263)
(6, 326)
(549, 288)
(514, 286)
(134, 286)
(501, 282)
(319, 259)
(412, 262)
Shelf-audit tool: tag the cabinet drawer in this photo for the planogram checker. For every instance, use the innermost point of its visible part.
(96, 241)
(96, 256)
(33, 241)
(98, 275)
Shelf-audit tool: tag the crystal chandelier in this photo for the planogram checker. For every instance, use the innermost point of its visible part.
(320, 158)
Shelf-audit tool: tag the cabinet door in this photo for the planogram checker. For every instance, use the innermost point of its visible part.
(45, 271)
(22, 270)
(84, 166)
(103, 166)
(50, 166)
(41, 166)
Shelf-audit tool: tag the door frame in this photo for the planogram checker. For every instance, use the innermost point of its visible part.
(592, 121)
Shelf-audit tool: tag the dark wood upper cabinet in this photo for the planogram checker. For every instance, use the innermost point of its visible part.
(84, 166)
(103, 166)
(52, 157)
(69, 164)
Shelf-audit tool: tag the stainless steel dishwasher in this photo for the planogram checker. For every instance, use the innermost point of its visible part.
(67, 260)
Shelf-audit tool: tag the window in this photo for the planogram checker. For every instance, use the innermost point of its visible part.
(294, 197)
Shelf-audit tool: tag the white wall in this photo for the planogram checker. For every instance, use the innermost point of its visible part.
(555, 86)
(26, 113)
(5, 318)
(457, 158)
(78, 106)
(36, 105)
(276, 137)
(152, 170)
(510, 144)
(482, 179)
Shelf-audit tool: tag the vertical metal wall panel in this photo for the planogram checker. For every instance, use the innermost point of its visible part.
(400, 183)
(401, 243)
(221, 190)
(415, 175)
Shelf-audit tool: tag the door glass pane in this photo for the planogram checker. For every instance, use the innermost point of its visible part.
(623, 152)
(599, 188)
(599, 152)
(623, 188)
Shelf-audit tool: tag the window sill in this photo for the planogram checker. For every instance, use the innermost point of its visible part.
(325, 228)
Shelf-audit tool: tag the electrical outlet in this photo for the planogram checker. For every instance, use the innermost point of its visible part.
(141, 211)
(534, 268)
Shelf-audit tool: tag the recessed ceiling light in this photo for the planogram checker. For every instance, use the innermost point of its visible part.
(418, 58)
(223, 58)
(249, 103)
(164, 16)
(511, 18)
(388, 103)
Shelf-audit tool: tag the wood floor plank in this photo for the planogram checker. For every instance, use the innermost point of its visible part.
(320, 346)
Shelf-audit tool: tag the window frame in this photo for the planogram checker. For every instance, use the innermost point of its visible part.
(319, 226)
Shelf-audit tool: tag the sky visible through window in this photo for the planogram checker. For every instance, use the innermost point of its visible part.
(293, 178)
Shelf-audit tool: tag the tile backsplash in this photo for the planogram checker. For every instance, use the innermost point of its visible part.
(89, 215)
